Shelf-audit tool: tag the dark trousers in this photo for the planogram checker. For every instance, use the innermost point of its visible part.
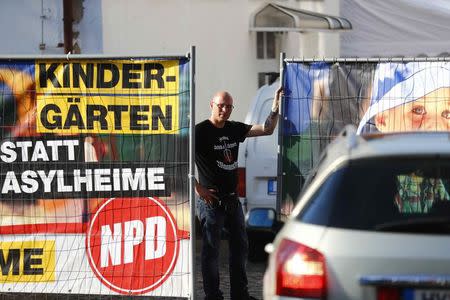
(213, 218)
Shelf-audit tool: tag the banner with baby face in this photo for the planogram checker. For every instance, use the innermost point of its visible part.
(321, 97)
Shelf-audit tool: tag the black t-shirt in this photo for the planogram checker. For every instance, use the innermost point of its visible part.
(216, 154)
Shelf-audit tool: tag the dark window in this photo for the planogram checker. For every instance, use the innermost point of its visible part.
(262, 79)
(267, 78)
(265, 45)
(398, 195)
(270, 45)
(260, 45)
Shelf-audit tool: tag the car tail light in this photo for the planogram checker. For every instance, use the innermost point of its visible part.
(241, 182)
(388, 293)
(300, 271)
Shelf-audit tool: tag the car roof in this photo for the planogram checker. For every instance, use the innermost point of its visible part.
(348, 145)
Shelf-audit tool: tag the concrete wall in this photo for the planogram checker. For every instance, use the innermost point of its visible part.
(23, 29)
(28, 24)
(218, 29)
(226, 49)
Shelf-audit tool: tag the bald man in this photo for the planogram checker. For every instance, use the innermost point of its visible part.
(218, 206)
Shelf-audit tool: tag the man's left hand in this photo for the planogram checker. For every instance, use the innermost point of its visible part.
(276, 100)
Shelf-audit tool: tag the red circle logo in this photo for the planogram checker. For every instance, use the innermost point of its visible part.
(132, 244)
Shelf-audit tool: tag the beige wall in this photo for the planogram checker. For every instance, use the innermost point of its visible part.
(226, 53)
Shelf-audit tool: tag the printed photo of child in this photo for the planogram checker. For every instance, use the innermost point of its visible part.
(411, 96)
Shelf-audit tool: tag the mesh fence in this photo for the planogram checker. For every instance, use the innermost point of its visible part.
(93, 162)
(377, 96)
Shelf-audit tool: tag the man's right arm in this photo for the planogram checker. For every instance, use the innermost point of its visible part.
(206, 194)
(269, 125)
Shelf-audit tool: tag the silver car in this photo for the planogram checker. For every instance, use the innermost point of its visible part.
(373, 223)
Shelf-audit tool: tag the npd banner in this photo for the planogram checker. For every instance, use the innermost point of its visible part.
(93, 176)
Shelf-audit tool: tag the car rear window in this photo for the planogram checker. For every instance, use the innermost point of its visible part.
(396, 195)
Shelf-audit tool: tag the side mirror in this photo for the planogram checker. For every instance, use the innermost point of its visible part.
(261, 218)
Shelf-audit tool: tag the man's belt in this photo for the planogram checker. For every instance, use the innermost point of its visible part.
(221, 194)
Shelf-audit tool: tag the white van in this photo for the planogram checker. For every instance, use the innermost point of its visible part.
(257, 162)
(257, 186)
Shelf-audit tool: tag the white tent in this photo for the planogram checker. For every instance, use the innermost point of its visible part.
(387, 28)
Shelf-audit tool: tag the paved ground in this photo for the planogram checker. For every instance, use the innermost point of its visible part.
(255, 272)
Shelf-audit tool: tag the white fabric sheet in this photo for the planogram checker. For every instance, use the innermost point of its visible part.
(396, 28)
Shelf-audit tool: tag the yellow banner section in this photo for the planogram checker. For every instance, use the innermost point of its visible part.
(108, 114)
(27, 261)
(107, 76)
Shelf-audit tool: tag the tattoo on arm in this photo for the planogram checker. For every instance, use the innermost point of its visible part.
(271, 122)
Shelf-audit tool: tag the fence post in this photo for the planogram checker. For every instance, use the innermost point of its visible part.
(192, 170)
(280, 142)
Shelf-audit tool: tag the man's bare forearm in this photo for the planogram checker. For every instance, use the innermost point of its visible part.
(271, 122)
(272, 119)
